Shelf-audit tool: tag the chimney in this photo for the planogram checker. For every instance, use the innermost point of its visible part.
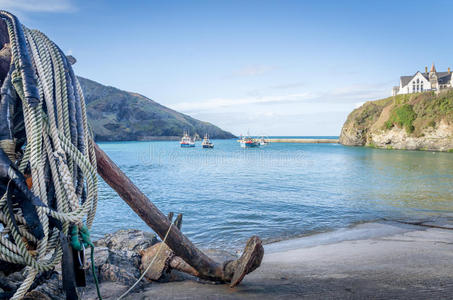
(449, 71)
(426, 70)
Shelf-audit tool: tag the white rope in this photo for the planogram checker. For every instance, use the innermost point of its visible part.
(50, 144)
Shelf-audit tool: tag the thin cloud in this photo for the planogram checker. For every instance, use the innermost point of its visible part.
(254, 70)
(38, 5)
(217, 103)
(361, 92)
(318, 112)
(288, 86)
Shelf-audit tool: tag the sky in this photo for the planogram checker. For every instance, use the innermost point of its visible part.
(260, 67)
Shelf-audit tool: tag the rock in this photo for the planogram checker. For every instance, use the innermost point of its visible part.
(127, 260)
(385, 123)
(50, 285)
(13, 281)
(117, 260)
(101, 256)
(109, 290)
(35, 295)
(5, 58)
(127, 240)
(114, 273)
(45, 286)
(122, 249)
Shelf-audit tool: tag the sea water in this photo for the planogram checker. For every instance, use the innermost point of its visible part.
(278, 191)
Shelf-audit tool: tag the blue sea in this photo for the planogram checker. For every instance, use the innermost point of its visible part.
(278, 191)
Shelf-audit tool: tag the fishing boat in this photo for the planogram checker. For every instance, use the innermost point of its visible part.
(248, 142)
(206, 142)
(186, 141)
(263, 141)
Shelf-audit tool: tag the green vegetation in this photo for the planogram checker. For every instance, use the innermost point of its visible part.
(431, 110)
(432, 123)
(402, 99)
(403, 116)
(416, 112)
(368, 113)
(425, 116)
(450, 151)
(117, 115)
(371, 145)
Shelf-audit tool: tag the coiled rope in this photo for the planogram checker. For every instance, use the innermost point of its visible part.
(58, 150)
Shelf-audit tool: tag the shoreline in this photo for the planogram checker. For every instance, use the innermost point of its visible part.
(384, 259)
(396, 261)
(360, 230)
(352, 232)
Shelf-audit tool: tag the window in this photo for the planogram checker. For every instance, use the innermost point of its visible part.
(422, 87)
(418, 80)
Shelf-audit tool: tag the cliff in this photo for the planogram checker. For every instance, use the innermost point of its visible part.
(422, 121)
(117, 115)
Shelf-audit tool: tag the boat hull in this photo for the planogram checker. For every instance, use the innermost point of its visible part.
(250, 145)
(187, 145)
(208, 146)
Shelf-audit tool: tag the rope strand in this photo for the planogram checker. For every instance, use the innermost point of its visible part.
(57, 152)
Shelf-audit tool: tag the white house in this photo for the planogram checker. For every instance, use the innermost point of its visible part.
(421, 82)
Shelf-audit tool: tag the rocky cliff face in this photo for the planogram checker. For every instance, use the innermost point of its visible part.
(117, 115)
(422, 121)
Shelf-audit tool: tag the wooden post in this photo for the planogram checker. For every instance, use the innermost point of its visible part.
(231, 271)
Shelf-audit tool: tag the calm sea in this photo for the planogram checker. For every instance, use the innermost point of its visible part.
(278, 191)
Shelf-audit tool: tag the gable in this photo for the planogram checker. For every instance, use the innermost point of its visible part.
(405, 80)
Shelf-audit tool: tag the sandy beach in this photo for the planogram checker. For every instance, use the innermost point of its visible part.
(387, 260)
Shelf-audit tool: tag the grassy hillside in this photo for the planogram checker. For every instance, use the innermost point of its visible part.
(418, 115)
(117, 115)
(420, 111)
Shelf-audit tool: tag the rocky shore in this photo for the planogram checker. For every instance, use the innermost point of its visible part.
(422, 121)
(391, 260)
(118, 261)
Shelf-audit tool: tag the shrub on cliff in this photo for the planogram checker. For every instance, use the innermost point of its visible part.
(403, 116)
(426, 119)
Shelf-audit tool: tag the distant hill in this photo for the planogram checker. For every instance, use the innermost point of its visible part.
(421, 121)
(117, 115)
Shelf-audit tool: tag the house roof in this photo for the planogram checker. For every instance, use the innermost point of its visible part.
(442, 77)
(405, 80)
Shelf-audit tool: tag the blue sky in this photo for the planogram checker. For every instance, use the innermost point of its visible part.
(267, 67)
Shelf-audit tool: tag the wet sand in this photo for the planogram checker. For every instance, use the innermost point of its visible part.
(369, 261)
